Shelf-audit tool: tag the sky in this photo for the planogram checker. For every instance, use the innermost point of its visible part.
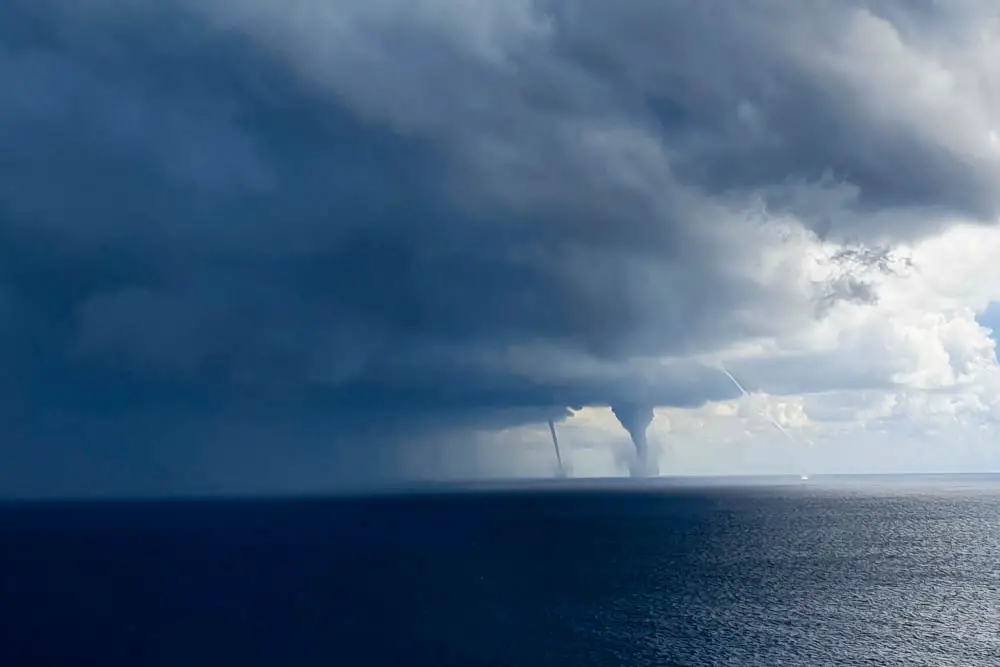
(251, 246)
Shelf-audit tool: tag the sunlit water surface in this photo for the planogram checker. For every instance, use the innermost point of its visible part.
(829, 572)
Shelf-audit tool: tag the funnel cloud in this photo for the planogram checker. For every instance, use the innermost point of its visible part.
(635, 418)
(560, 467)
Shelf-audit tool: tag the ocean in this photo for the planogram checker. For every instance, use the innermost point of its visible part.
(875, 571)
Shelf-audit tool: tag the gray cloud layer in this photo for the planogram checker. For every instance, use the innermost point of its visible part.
(324, 208)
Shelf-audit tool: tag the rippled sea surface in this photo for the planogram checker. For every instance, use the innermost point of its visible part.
(863, 572)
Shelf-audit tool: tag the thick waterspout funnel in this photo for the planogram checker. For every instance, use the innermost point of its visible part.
(636, 418)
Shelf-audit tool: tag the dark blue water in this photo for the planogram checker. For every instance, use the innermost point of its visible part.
(850, 574)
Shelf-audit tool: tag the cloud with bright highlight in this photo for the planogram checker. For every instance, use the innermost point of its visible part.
(252, 246)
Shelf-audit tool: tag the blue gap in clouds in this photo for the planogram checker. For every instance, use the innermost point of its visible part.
(990, 318)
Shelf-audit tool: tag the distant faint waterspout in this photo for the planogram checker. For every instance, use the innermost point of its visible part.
(561, 470)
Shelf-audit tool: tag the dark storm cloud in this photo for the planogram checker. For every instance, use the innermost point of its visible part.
(763, 96)
(320, 209)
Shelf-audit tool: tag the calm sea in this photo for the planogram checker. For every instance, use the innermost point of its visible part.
(835, 572)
